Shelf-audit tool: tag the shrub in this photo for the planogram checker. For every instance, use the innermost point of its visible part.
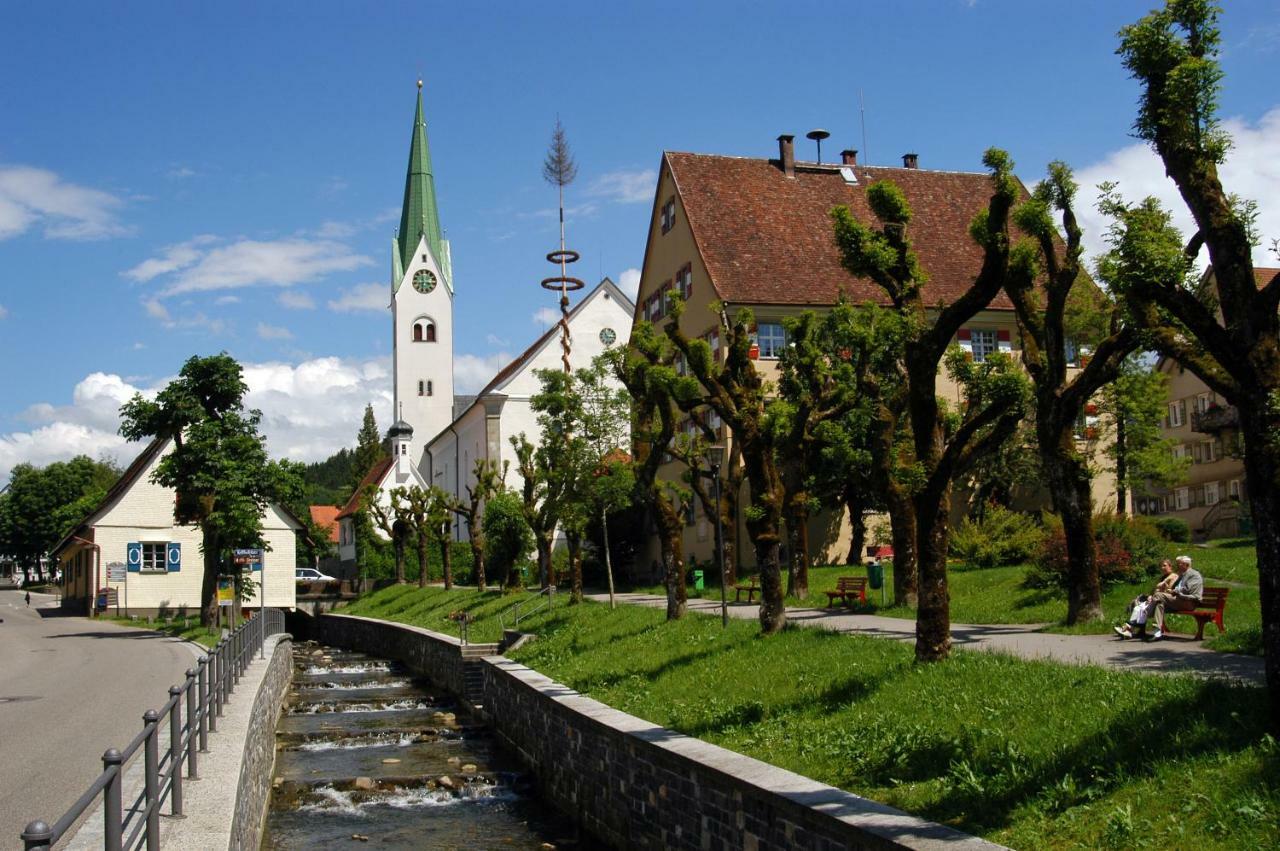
(1001, 537)
(1173, 529)
(508, 537)
(1127, 549)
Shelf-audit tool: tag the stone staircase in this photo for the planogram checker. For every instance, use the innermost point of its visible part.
(473, 670)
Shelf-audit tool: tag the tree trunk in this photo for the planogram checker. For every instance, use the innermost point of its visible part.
(574, 541)
(477, 553)
(545, 568)
(853, 503)
(446, 562)
(773, 614)
(424, 574)
(798, 529)
(1122, 465)
(211, 549)
(669, 527)
(1069, 483)
(933, 616)
(398, 545)
(902, 525)
(608, 559)
(1262, 483)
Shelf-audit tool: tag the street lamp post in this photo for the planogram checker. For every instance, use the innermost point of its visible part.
(715, 457)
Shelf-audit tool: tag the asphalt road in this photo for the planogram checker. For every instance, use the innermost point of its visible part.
(70, 688)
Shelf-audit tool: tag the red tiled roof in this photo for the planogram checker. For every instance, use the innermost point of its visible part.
(768, 239)
(375, 475)
(1264, 275)
(326, 517)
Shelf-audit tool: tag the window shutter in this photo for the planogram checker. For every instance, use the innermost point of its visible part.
(1004, 340)
(965, 337)
(133, 562)
(173, 557)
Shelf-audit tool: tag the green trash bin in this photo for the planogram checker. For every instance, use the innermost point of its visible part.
(875, 575)
(698, 581)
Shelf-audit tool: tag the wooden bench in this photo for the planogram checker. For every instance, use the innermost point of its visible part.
(846, 588)
(880, 553)
(751, 587)
(1212, 603)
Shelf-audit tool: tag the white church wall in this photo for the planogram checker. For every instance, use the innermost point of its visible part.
(423, 361)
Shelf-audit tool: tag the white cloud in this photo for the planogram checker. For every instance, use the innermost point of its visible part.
(223, 300)
(335, 230)
(4, 312)
(156, 310)
(546, 317)
(361, 297)
(296, 300)
(1252, 170)
(629, 282)
(491, 339)
(196, 267)
(625, 187)
(472, 372)
(31, 197)
(273, 332)
(180, 173)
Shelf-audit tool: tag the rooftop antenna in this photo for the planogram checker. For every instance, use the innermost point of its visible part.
(817, 136)
(862, 111)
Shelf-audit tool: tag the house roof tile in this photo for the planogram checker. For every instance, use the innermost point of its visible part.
(373, 477)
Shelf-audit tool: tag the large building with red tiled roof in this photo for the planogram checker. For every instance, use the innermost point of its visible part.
(757, 232)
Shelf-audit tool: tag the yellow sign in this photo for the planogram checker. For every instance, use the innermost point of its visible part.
(226, 592)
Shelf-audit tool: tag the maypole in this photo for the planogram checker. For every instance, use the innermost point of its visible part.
(559, 169)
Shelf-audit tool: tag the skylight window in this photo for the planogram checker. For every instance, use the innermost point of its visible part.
(849, 177)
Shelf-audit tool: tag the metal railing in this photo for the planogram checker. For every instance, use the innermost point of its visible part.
(534, 604)
(205, 692)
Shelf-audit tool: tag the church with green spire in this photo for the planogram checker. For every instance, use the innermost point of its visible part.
(422, 292)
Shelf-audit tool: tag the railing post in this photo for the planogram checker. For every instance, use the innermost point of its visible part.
(37, 834)
(112, 798)
(202, 665)
(151, 780)
(262, 634)
(224, 674)
(175, 751)
(219, 675)
(193, 725)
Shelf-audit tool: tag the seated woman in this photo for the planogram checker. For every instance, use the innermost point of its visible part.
(1138, 608)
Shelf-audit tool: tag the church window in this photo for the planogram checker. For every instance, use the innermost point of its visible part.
(425, 388)
(424, 331)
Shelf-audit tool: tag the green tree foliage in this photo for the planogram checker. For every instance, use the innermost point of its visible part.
(946, 443)
(370, 449)
(43, 504)
(218, 467)
(394, 519)
(1043, 274)
(1228, 335)
(508, 538)
(1138, 453)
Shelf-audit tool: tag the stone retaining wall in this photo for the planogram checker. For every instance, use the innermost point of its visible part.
(637, 785)
(254, 786)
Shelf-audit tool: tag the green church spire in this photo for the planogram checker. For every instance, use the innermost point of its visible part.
(419, 216)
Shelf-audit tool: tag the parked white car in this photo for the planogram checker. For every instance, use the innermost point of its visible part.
(310, 574)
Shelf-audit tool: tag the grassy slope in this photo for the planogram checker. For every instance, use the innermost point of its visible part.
(193, 632)
(1029, 754)
(996, 595)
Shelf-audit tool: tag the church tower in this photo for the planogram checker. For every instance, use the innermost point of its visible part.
(421, 302)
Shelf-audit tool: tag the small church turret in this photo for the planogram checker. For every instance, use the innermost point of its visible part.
(421, 301)
(401, 436)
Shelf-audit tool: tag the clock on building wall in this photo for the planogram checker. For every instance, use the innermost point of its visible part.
(607, 336)
(424, 280)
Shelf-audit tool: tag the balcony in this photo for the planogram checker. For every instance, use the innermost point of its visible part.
(1215, 420)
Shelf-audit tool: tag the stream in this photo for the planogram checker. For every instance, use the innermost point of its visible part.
(369, 755)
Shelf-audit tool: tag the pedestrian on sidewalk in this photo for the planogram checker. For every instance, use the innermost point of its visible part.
(28, 599)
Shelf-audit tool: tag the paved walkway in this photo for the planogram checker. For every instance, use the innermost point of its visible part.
(1177, 654)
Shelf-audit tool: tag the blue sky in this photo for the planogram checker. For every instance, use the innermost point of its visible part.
(181, 178)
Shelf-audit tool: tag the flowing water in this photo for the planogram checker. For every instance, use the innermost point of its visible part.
(370, 756)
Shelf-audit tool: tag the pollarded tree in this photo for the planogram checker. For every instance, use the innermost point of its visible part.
(1141, 456)
(218, 467)
(396, 522)
(946, 443)
(1043, 273)
(1230, 337)
(440, 528)
(489, 476)
(414, 506)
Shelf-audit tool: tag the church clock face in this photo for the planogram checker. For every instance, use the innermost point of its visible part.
(424, 280)
(607, 336)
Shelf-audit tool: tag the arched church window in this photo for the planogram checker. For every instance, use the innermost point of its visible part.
(424, 330)
(417, 332)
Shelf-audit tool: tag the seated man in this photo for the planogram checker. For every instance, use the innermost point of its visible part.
(1184, 597)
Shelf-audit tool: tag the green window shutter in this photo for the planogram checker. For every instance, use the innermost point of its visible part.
(133, 562)
(173, 557)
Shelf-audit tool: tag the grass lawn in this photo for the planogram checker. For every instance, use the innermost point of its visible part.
(996, 595)
(1028, 754)
(189, 630)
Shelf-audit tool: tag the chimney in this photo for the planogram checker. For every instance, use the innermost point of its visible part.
(787, 153)
(849, 157)
(910, 160)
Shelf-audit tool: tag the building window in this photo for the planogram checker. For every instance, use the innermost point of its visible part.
(1211, 494)
(1177, 413)
(771, 337)
(425, 388)
(1203, 401)
(684, 282)
(1233, 488)
(424, 331)
(1182, 497)
(664, 306)
(153, 558)
(984, 343)
(668, 215)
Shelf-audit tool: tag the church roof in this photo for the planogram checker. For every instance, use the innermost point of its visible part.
(419, 215)
(400, 427)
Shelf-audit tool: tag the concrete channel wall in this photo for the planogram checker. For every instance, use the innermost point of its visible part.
(254, 787)
(636, 785)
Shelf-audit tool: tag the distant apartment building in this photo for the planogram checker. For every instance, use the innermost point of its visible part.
(1205, 429)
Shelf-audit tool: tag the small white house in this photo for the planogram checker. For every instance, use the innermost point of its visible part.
(131, 544)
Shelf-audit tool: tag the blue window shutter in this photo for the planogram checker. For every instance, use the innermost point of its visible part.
(134, 561)
(173, 557)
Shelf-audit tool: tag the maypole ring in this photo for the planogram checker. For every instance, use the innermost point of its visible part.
(564, 255)
(565, 283)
